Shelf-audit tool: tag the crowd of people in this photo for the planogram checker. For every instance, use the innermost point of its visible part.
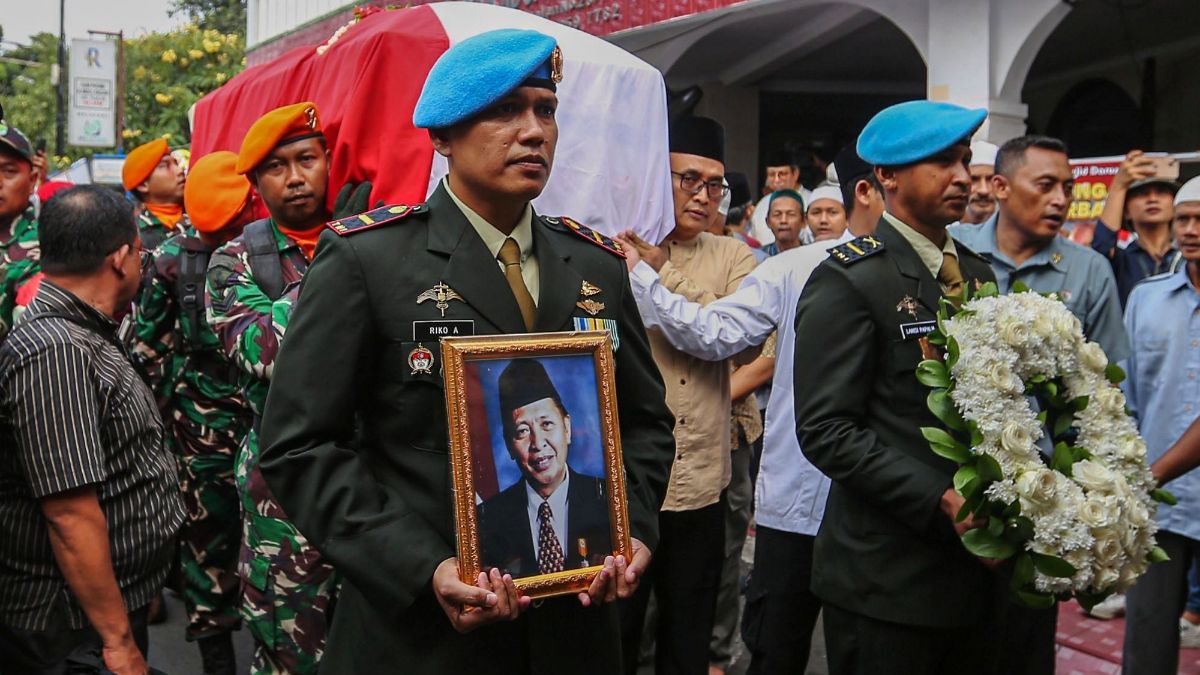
(227, 406)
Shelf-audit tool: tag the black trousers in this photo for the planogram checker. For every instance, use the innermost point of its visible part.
(1026, 637)
(60, 650)
(1153, 606)
(684, 575)
(861, 645)
(781, 610)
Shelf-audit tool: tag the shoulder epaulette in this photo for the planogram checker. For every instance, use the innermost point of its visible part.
(856, 249)
(375, 218)
(587, 233)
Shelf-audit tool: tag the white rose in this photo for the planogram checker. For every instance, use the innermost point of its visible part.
(1092, 476)
(1036, 489)
(1107, 547)
(1042, 325)
(1066, 324)
(1014, 333)
(1106, 578)
(1016, 438)
(1001, 377)
(1109, 400)
(1128, 577)
(1095, 514)
(1092, 356)
(1137, 515)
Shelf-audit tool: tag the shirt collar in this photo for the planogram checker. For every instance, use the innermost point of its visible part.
(1178, 280)
(19, 224)
(558, 498)
(988, 245)
(931, 256)
(54, 299)
(493, 238)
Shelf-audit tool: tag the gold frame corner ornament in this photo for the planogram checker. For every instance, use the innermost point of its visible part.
(456, 353)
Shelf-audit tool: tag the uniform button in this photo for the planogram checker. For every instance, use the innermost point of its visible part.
(1191, 374)
(1187, 408)
(683, 421)
(683, 382)
(1195, 343)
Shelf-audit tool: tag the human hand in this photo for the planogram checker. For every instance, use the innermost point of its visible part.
(494, 597)
(618, 579)
(41, 167)
(352, 200)
(124, 658)
(654, 256)
(1134, 167)
(951, 504)
(632, 257)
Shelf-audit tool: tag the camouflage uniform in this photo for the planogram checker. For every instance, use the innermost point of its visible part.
(19, 260)
(208, 419)
(154, 232)
(289, 591)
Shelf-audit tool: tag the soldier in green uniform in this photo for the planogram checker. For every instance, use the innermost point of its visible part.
(19, 251)
(356, 437)
(252, 284)
(900, 592)
(201, 393)
(155, 179)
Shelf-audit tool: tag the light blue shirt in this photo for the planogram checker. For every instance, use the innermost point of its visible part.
(1162, 381)
(1080, 276)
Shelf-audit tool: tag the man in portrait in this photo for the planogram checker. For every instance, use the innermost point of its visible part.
(554, 518)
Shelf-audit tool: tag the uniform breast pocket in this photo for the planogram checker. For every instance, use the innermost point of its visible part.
(421, 403)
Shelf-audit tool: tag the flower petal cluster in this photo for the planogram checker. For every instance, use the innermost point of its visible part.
(1098, 515)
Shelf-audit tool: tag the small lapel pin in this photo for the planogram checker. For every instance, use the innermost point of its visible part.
(590, 306)
(589, 289)
(442, 295)
(907, 304)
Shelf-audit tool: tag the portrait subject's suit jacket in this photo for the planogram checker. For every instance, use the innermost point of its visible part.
(355, 444)
(507, 540)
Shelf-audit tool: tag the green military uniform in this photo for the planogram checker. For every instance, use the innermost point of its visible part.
(885, 551)
(289, 589)
(356, 439)
(19, 260)
(208, 418)
(154, 232)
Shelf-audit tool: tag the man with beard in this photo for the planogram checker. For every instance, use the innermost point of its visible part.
(356, 434)
(900, 592)
(982, 203)
(155, 179)
(252, 284)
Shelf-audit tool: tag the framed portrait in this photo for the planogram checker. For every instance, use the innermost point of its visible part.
(535, 452)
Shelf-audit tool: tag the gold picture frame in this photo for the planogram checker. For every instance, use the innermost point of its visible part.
(480, 380)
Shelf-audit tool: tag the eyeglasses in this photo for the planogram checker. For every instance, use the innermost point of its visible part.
(691, 184)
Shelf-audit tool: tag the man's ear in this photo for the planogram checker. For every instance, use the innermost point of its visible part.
(118, 260)
(441, 142)
(1000, 187)
(886, 175)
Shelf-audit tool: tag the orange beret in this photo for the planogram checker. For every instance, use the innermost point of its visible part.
(281, 125)
(140, 162)
(214, 192)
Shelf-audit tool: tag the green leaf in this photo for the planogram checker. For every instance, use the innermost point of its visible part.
(952, 352)
(1062, 424)
(1163, 497)
(943, 408)
(981, 542)
(969, 506)
(1041, 417)
(1114, 373)
(1062, 460)
(1157, 555)
(1037, 379)
(936, 338)
(1079, 454)
(989, 468)
(988, 290)
(1019, 287)
(976, 434)
(1080, 403)
(1089, 600)
(944, 444)
(933, 373)
(995, 527)
(1052, 566)
(1019, 530)
(1035, 600)
(1051, 389)
(966, 481)
(1022, 572)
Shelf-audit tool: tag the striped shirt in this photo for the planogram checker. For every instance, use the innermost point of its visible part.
(73, 412)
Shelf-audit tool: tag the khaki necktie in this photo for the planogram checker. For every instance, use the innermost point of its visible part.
(510, 257)
(950, 277)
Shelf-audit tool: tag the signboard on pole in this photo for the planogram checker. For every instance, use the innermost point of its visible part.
(92, 90)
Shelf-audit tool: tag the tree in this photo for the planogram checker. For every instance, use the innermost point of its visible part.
(29, 101)
(226, 16)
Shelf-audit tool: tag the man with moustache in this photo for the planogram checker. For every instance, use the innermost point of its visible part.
(1161, 390)
(982, 203)
(253, 282)
(200, 389)
(1146, 200)
(781, 610)
(686, 573)
(18, 222)
(1021, 241)
(355, 433)
(900, 592)
(785, 217)
(155, 178)
(554, 518)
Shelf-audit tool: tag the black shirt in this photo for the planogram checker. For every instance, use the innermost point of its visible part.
(1132, 263)
(73, 412)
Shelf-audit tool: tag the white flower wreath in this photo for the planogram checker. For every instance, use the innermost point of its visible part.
(1079, 521)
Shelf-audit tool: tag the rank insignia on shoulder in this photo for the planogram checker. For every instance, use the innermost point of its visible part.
(856, 249)
(589, 234)
(375, 218)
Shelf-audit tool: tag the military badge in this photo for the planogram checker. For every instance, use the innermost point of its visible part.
(374, 218)
(592, 323)
(907, 304)
(588, 289)
(442, 295)
(421, 360)
(856, 249)
(590, 306)
(1056, 257)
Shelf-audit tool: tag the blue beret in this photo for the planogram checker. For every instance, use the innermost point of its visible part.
(911, 131)
(481, 70)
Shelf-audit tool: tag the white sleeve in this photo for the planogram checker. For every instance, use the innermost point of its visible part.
(715, 331)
